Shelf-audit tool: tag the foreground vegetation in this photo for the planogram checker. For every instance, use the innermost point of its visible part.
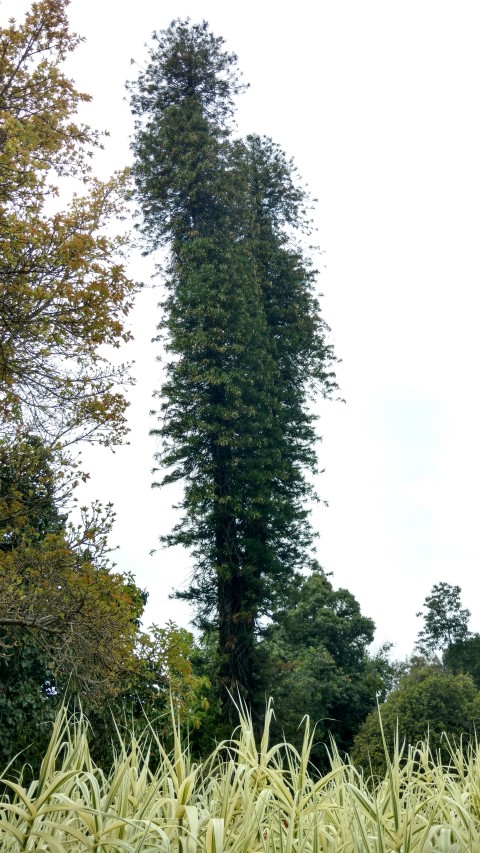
(247, 795)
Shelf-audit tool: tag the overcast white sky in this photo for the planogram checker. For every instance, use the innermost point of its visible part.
(378, 103)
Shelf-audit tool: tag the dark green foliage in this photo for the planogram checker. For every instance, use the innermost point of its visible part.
(217, 418)
(464, 657)
(428, 701)
(318, 664)
(27, 492)
(163, 675)
(35, 676)
(245, 336)
(67, 626)
(28, 700)
(445, 620)
(28, 697)
(182, 102)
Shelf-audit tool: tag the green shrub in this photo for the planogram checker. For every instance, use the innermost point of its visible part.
(429, 701)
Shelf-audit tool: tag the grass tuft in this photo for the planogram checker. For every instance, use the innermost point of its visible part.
(248, 796)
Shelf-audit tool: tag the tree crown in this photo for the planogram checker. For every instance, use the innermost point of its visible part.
(64, 289)
(445, 621)
(188, 62)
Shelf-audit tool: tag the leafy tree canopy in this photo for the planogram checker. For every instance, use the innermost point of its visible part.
(318, 664)
(428, 702)
(445, 621)
(161, 680)
(63, 287)
(463, 656)
(56, 580)
(69, 624)
(28, 698)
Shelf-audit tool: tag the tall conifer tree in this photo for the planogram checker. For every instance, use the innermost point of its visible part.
(246, 338)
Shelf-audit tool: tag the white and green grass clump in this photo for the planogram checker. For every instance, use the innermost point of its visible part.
(247, 797)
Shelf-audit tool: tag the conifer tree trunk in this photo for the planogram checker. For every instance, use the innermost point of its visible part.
(234, 637)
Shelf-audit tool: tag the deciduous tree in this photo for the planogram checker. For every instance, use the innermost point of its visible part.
(68, 622)
(160, 680)
(57, 586)
(63, 287)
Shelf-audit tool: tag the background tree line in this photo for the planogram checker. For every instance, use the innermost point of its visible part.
(248, 352)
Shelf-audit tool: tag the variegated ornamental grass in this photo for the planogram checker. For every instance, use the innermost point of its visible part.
(246, 797)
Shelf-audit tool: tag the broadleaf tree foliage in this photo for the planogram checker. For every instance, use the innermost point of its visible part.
(57, 587)
(64, 294)
(318, 664)
(64, 290)
(429, 702)
(445, 620)
(246, 340)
